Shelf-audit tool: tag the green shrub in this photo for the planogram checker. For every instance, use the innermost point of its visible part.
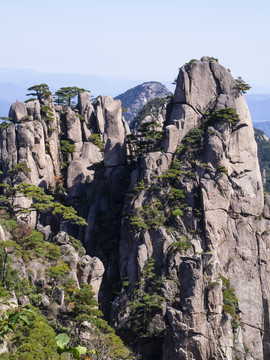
(30, 335)
(176, 194)
(226, 114)
(96, 140)
(57, 272)
(181, 245)
(6, 122)
(230, 301)
(52, 251)
(177, 212)
(78, 246)
(140, 186)
(147, 301)
(174, 172)
(223, 169)
(40, 91)
(80, 117)
(190, 62)
(149, 216)
(241, 85)
(67, 147)
(191, 143)
(44, 203)
(21, 167)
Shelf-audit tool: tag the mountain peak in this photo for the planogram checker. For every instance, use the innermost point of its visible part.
(134, 99)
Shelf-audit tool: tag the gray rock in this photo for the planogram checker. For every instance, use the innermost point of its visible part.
(171, 140)
(17, 111)
(69, 255)
(2, 234)
(114, 133)
(79, 170)
(41, 282)
(84, 104)
(24, 300)
(62, 238)
(33, 109)
(73, 123)
(45, 230)
(225, 183)
(58, 295)
(9, 149)
(90, 271)
(45, 302)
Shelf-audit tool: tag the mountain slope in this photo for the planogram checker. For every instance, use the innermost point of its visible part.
(134, 99)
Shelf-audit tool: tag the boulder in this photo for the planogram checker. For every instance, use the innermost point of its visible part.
(90, 271)
(17, 111)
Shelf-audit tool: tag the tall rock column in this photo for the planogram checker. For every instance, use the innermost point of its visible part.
(207, 236)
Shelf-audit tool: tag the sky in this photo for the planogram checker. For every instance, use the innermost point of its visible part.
(141, 40)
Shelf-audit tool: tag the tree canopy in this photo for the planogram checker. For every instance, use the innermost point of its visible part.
(64, 95)
(39, 91)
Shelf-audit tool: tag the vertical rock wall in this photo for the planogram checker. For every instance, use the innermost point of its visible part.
(216, 289)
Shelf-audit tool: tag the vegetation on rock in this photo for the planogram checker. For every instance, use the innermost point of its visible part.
(39, 91)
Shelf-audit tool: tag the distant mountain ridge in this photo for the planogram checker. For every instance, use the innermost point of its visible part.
(263, 143)
(134, 99)
(259, 107)
(15, 82)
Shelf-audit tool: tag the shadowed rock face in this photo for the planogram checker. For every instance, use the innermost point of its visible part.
(195, 206)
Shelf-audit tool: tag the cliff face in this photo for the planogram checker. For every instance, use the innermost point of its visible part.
(211, 256)
(178, 217)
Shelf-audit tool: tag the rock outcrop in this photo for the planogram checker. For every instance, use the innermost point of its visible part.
(178, 227)
(210, 253)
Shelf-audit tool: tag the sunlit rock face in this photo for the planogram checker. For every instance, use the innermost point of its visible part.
(223, 223)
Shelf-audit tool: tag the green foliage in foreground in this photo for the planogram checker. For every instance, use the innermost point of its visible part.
(62, 341)
(30, 333)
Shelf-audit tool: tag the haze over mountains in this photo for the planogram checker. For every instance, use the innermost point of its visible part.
(14, 84)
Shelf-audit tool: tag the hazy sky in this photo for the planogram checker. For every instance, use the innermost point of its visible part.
(142, 39)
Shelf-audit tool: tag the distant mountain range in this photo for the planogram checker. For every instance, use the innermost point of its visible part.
(259, 107)
(14, 84)
(134, 99)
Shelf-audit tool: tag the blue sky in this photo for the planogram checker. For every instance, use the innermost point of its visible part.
(140, 40)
